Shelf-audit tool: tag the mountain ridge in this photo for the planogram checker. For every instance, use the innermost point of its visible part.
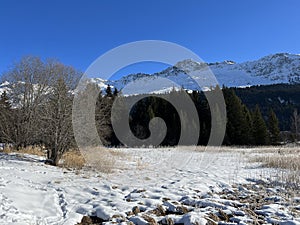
(190, 75)
(271, 69)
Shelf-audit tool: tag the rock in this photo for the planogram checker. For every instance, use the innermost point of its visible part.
(239, 213)
(90, 220)
(161, 210)
(86, 220)
(174, 208)
(150, 220)
(138, 220)
(136, 210)
(102, 214)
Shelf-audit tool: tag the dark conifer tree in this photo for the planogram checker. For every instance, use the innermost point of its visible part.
(260, 132)
(116, 92)
(237, 125)
(6, 119)
(103, 116)
(4, 101)
(273, 126)
(108, 91)
(249, 126)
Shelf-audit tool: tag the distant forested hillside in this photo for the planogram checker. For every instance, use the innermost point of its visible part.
(282, 98)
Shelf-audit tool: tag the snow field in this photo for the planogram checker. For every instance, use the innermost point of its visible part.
(158, 185)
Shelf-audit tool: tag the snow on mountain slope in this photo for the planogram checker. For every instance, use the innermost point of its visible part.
(272, 69)
(4, 87)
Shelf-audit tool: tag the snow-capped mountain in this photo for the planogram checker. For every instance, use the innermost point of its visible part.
(4, 87)
(191, 75)
(271, 69)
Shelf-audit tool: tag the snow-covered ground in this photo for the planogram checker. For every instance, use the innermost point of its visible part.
(163, 186)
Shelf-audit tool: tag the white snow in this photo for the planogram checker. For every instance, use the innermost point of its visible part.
(4, 87)
(34, 193)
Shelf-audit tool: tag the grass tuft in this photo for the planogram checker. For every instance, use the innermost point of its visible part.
(72, 160)
(286, 161)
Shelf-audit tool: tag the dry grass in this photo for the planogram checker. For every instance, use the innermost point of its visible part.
(72, 160)
(8, 149)
(290, 162)
(102, 159)
(32, 150)
(117, 152)
(286, 161)
(197, 148)
(277, 149)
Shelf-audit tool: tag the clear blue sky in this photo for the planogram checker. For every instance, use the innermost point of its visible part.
(77, 32)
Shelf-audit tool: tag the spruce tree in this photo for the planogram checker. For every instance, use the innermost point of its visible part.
(108, 91)
(116, 92)
(238, 127)
(273, 126)
(4, 101)
(6, 119)
(249, 126)
(260, 132)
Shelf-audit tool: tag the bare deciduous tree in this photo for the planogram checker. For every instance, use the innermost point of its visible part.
(57, 120)
(41, 95)
(29, 81)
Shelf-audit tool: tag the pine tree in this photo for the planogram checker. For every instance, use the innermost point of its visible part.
(260, 132)
(273, 126)
(6, 119)
(116, 92)
(249, 126)
(4, 101)
(238, 125)
(108, 91)
(103, 117)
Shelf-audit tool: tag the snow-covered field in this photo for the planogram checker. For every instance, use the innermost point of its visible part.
(151, 186)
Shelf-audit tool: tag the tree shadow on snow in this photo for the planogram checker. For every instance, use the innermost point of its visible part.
(19, 157)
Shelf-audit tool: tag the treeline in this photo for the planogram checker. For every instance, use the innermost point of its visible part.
(282, 98)
(258, 115)
(244, 126)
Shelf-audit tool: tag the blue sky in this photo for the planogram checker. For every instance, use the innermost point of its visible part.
(77, 32)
